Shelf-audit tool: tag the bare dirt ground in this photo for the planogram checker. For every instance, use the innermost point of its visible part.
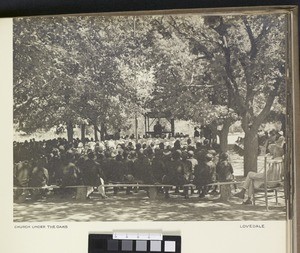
(138, 207)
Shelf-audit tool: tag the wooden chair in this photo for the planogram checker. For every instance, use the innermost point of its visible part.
(272, 182)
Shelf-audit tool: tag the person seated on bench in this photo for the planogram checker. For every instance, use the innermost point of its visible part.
(189, 164)
(142, 171)
(276, 152)
(22, 172)
(117, 170)
(224, 169)
(204, 174)
(175, 172)
(91, 175)
(127, 161)
(39, 178)
(158, 166)
(54, 166)
(69, 174)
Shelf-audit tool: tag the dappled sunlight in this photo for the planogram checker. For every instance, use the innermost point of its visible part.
(137, 207)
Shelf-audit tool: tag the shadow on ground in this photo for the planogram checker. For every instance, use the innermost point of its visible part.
(138, 207)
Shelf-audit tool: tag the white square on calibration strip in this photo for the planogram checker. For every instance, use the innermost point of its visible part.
(170, 246)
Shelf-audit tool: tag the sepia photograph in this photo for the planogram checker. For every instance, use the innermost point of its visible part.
(161, 117)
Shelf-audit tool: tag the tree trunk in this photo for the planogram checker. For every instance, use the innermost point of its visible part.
(223, 135)
(214, 132)
(83, 133)
(136, 127)
(250, 151)
(102, 132)
(96, 133)
(70, 131)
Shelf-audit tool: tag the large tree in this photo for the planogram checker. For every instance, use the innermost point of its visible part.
(187, 84)
(253, 61)
(237, 62)
(68, 70)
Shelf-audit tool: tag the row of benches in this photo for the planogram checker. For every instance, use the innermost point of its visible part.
(152, 189)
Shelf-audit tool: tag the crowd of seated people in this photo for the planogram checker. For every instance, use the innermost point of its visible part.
(149, 161)
(265, 139)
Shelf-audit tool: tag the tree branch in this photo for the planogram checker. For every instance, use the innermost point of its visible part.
(253, 50)
(265, 111)
(232, 84)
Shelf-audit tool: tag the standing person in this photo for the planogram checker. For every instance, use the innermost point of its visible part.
(196, 133)
(207, 133)
(157, 129)
(118, 135)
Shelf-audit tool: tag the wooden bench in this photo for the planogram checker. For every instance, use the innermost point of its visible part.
(81, 190)
(152, 189)
(225, 188)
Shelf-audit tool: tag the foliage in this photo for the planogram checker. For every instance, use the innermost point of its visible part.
(219, 64)
(106, 69)
(71, 69)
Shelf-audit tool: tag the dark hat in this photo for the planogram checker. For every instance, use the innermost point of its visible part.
(91, 155)
(161, 145)
(132, 154)
(119, 157)
(176, 154)
(223, 156)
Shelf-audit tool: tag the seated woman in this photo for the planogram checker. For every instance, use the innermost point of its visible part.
(256, 179)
